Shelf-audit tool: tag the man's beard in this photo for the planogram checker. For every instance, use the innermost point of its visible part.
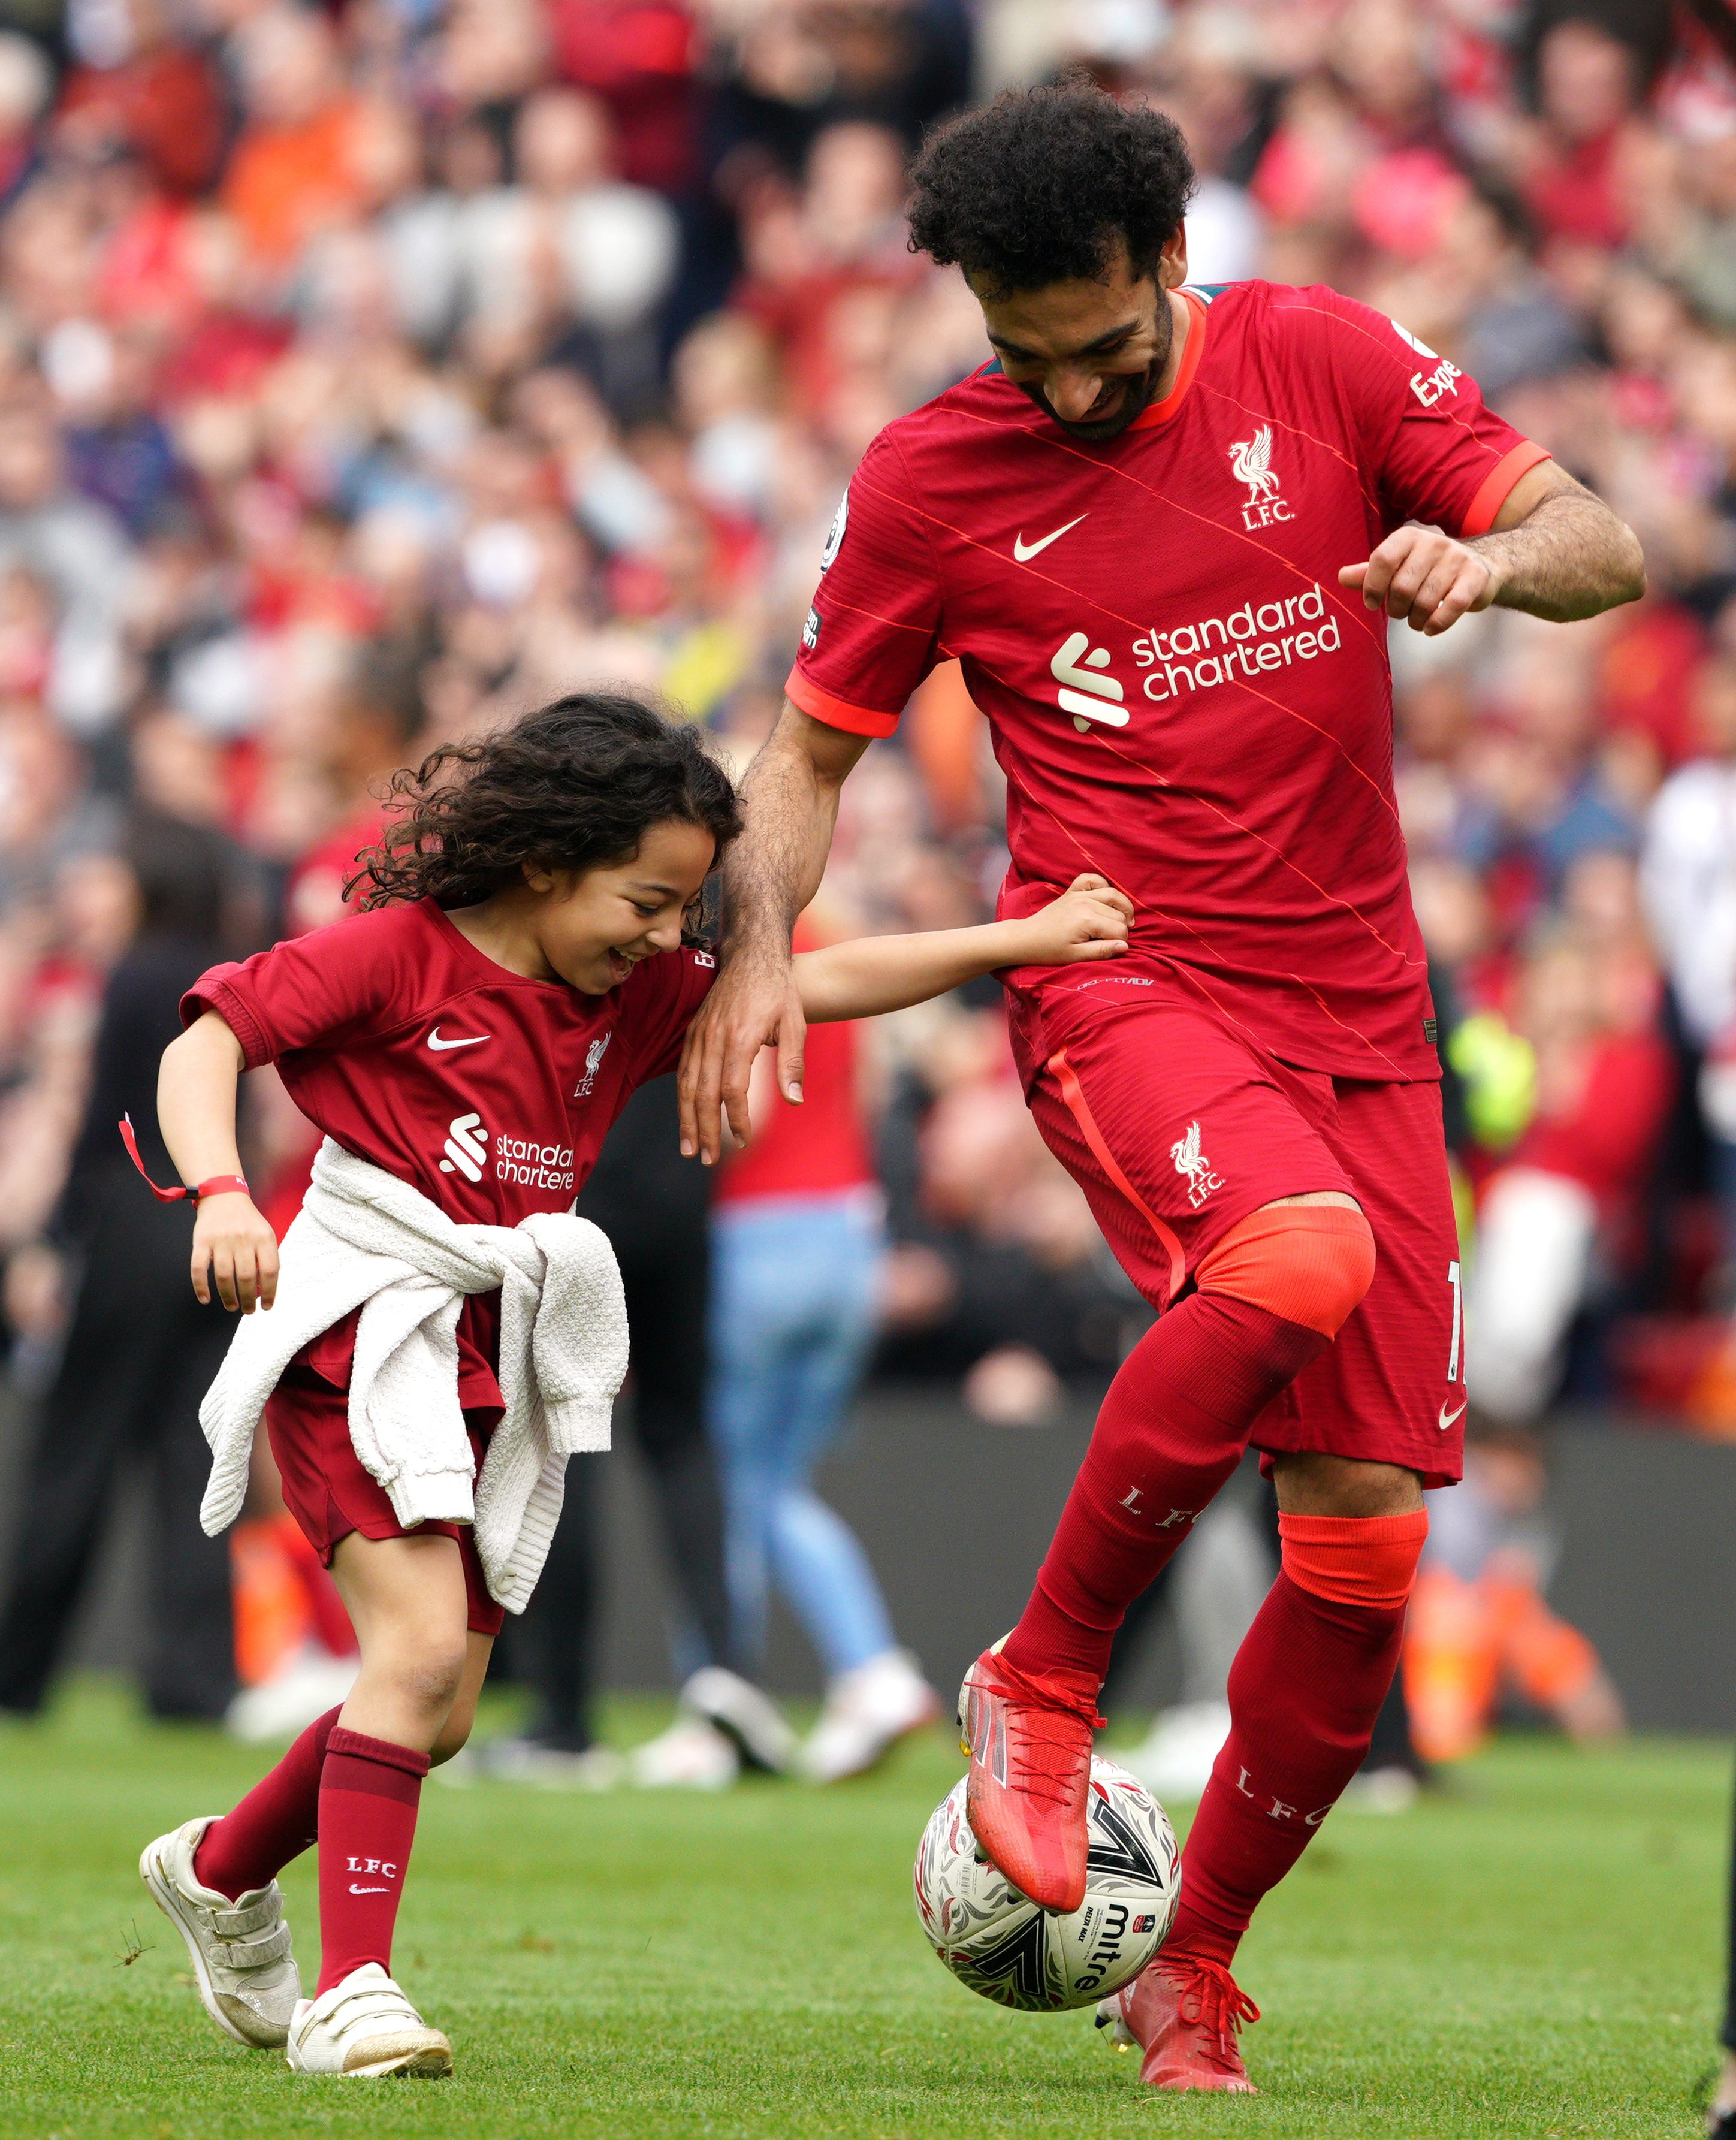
(1136, 396)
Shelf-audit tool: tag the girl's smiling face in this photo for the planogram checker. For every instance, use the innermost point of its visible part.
(592, 927)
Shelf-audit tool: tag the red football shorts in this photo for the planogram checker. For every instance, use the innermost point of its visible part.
(329, 1493)
(1176, 1125)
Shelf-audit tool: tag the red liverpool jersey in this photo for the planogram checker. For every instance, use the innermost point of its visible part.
(490, 1093)
(1181, 694)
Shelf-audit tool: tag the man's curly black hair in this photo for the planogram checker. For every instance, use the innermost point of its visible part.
(1042, 186)
(576, 785)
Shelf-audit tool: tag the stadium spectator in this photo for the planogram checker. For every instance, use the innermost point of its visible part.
(797, 1238)
(138, 1352)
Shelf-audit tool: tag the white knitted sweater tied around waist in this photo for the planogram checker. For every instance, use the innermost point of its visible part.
(364, 1238)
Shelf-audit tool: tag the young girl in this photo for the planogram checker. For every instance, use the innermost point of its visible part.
(464, 1044)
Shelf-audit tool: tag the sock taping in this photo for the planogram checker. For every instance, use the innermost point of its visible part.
(1367, 1561)
(1309, 1264)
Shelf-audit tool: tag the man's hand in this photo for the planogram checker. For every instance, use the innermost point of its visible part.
(233, 1246)
(753, 1005)
(1427, 577)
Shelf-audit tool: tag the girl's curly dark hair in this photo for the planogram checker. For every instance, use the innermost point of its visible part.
(1038, 187)
(576, 785)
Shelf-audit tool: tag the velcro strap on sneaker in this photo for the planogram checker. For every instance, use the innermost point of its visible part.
(376, 2006)
(236, 1924)
(257, 1953)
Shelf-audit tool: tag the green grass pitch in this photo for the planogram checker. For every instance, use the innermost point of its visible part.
(1536, 1954)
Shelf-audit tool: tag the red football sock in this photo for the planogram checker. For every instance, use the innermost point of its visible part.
(1304, 1691)
(368, 1792)
(1172, 1428)
(277, 1820)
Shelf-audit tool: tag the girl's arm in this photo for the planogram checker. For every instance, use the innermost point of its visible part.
(875, 974)
(196, 1112)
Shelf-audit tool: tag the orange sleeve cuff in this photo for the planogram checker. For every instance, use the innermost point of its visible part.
(1368, 1561)
(836, 713)
(1492, 492)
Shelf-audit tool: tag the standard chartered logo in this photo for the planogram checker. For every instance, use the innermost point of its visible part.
(1073, 678)
(1248, 643)
(467, 1147)
(1245, 646)
(520, 1159)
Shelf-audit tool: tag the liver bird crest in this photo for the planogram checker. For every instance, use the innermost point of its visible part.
(1250, 462)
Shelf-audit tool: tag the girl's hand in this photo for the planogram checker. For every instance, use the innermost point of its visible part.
(233, 1243)
(1089, 920)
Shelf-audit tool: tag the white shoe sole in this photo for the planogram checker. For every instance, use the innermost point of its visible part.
(164, 1894)
(424, 2062)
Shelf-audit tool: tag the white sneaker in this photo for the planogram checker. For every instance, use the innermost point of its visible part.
(550, 1768)
(1174, 1762)
(304, 1687)
(364, 2028)
(246, 1976)
(689, 1756)
(867, 1711)
(743, 1713)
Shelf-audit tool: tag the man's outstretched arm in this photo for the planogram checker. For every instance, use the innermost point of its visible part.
(790, 800)
(1555, 551)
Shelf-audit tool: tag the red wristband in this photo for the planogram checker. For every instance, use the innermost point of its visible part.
(219, 1184)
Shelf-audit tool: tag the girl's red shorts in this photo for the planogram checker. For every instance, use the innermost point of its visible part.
(330, 1494)
(1177, 1126)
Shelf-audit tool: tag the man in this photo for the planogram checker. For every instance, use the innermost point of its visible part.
(1164, 531)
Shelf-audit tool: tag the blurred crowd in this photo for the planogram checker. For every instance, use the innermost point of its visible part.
(369, 371)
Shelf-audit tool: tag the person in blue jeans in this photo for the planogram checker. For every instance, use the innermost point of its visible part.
(797, 1243)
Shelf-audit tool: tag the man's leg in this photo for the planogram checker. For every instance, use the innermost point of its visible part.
(1272, 1295)
(1202, 1164)
(1305, 1689)
(1353, 1442)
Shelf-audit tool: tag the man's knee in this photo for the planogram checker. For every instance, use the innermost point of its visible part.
(1309, 1264)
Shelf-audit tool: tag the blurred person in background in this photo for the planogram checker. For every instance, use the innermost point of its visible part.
(654, 1210)
(1558, 1215)
(138, 1352)
(1479, 1630)
(798, 1238)
(1690, 883)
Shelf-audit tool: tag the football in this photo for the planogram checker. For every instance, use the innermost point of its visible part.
(1000, 1944)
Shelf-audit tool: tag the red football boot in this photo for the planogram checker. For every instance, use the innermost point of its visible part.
(1186, 2015)
(1028, 1735)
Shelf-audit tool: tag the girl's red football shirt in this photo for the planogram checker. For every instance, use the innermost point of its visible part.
(490, 1093)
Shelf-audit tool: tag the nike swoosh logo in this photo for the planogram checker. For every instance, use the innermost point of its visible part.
(1447, 1418)
(475, 1040)
(355, 1890)
(1023, 554)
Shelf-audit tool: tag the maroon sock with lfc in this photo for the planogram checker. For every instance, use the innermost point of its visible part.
(277, 1820)
(1304, 1691)
(368, 1792)
(1171, 1429)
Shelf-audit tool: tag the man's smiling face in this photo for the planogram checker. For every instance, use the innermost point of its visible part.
(1092, 352)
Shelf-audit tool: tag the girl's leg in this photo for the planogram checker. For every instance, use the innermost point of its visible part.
(279, 1818)
(406, 1598)
(276, 1821)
